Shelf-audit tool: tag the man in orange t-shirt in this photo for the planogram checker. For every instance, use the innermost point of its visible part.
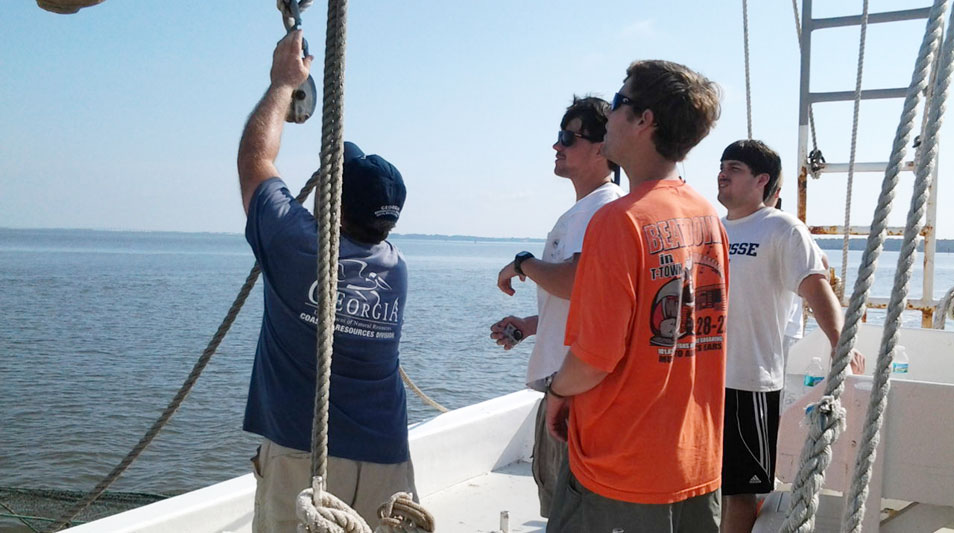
(640, 395)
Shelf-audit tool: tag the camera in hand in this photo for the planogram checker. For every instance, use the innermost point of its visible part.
(513, 334)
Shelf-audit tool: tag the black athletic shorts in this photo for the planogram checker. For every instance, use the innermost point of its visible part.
(749, 441)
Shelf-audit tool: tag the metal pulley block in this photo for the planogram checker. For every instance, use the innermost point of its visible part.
(303, 103)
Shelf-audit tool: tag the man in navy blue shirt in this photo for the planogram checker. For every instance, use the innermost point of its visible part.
(367, 438)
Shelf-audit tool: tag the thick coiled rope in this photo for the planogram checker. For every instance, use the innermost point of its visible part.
(401, 514)
(816, 453)
(852, 151)
(327, 215)
(927, 160)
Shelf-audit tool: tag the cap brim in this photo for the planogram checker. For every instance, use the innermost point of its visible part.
(351, 151)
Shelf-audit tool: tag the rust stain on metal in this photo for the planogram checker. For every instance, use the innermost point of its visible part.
(802, 192)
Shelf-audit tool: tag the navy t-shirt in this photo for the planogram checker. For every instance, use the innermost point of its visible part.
(368, 409)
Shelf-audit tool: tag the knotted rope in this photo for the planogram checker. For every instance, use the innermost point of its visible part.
(816, 453)
(401, 514)
(927, 160)
(320, 511)
(854, 144)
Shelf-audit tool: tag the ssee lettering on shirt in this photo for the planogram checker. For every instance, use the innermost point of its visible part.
(744, 248)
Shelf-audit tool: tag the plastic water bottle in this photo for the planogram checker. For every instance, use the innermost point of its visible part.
(900, 363)
(814, 373)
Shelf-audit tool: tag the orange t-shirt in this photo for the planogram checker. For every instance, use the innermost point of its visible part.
(649, 307)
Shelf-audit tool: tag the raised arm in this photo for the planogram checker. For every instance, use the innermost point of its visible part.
(262, 136)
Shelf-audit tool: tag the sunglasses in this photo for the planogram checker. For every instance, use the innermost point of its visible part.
(567, 137)
(620, 100)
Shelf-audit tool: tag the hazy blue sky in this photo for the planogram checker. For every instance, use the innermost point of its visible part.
(127, 115)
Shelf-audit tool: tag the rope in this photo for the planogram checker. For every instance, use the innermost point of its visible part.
(320, 511)
(854, 144)
(427, 399)
(401, 514)
(183, 392)
(748, 88)
(854, 512)
(327, 214)
(944, 310)
(816, 154)
(21, 518)
(816, 453)
(170, 410)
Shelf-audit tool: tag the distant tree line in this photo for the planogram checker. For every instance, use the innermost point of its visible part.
(890, 245)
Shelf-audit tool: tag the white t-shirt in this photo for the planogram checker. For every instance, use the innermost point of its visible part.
(563, 241)
(770, 254)
(794, 326)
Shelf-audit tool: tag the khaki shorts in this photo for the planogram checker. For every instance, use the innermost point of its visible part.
(549, 455)
(281, 473)
(577, 508)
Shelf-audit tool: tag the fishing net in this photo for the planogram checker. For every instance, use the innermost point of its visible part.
(33, 510)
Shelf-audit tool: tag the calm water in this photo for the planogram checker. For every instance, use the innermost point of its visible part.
(99, 329)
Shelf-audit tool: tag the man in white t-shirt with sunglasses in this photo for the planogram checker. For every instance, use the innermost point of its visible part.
(595, 181)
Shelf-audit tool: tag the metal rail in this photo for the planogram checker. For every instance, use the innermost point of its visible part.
(927, 303)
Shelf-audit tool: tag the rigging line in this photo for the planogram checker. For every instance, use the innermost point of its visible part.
(878, 401)
(854, 144)
(826, 421)
(811, 112)
(748, 86)
(328, 214)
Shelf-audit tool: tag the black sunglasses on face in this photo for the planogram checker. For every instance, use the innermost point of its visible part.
(567, 137)
(620, 100)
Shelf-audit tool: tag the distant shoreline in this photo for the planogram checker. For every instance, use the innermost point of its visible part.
(832, 243)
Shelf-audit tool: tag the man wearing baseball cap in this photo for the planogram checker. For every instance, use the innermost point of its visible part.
(367, 436)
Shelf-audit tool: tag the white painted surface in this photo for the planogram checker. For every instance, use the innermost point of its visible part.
(449, 452)
(915, 459)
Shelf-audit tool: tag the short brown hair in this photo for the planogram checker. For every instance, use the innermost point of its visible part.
(685, 104)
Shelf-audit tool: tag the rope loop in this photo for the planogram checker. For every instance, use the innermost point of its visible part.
(401, 514)
(320, 511)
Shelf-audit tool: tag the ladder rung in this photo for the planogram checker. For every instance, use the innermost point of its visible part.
(873, 18)
(829, 168)
(894, 231)
(847, 96)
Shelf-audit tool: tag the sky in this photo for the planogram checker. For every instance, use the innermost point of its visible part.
(127, 115)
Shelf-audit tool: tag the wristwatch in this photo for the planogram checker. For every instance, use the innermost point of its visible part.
(519, 259)
(549, 383)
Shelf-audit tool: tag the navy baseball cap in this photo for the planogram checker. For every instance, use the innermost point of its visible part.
(372, 189)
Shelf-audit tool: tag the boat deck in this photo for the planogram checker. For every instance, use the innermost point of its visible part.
(476, 505)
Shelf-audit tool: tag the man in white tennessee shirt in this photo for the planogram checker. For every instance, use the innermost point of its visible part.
(578, 159)
(773, 260)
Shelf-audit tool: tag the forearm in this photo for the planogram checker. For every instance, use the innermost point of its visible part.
(555, 278)
(576, 377)
(261, 140)
(825, 306)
